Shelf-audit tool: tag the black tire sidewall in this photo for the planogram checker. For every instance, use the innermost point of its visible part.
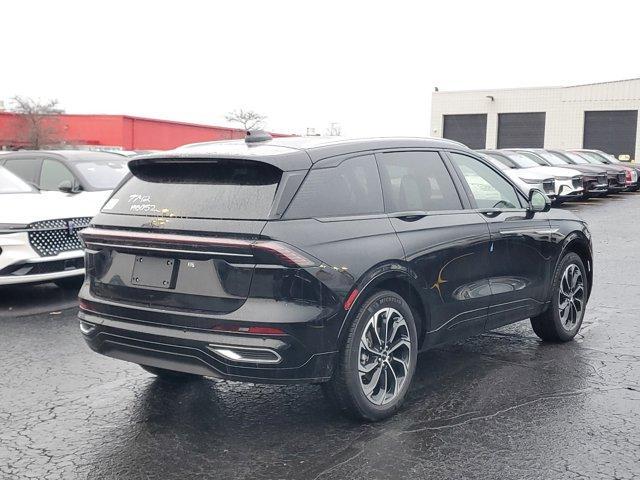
(568, 259)
(373, 304)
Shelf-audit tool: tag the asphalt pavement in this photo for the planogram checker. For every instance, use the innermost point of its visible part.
(503, 405)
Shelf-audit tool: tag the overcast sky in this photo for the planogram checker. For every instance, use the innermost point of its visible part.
(371, 66)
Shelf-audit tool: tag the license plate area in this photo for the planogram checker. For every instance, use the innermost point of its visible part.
(154, 272)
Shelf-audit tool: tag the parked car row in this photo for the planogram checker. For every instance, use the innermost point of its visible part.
(46, 197)
(566, 175)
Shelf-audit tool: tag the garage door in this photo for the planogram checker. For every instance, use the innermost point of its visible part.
(612, 131)
(524, 130)
(468, 129)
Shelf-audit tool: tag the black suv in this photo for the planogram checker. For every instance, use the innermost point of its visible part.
(326, 261)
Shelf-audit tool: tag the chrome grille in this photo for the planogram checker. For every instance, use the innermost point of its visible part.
(602, 179)
(51, 237)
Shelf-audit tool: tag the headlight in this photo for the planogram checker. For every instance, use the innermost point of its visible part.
(12, 227)
(531, 181)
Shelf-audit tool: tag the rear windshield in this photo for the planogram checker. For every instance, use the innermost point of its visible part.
(215, 189)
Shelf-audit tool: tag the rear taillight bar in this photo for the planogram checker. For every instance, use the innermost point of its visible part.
(284, 253)
(264, 251)
(98, 234)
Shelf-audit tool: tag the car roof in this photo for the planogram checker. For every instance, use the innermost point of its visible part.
(296, 152)
(71, 155)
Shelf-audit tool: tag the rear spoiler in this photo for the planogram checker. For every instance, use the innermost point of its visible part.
(285, 159)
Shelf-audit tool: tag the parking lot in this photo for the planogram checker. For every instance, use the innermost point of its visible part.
(502, 405)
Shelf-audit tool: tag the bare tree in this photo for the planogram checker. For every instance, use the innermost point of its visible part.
(39, 121)
(334, 129)
(249, 119)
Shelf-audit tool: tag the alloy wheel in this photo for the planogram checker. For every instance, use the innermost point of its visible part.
(572, 295)
(384, 356)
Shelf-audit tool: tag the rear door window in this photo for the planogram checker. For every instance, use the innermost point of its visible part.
(26, 168)
(351, 188)
(212, 189)
(416, 181)
(53, 174)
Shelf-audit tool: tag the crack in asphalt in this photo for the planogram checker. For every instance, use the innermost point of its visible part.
(514, 407)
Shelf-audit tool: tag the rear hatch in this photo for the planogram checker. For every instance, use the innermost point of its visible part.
(182, 234)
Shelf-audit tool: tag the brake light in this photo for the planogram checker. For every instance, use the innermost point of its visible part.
(266, 251)
(253, 330)
(628, 176)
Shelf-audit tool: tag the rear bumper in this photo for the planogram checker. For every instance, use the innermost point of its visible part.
(197, 352)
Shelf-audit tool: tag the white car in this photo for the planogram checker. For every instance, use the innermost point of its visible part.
(526, 180)
(39, 232)
(568, 182)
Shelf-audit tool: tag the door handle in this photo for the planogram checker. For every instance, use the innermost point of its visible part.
(490, 212)
(411, 216)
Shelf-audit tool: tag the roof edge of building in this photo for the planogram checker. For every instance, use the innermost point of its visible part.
(548, 87)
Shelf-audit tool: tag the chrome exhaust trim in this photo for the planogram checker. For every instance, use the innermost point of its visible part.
(246, 354)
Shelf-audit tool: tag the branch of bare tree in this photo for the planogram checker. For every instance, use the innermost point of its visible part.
(249, 119)
(39, 126)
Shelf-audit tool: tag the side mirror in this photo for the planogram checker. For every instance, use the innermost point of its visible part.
(538, 201)
(67, 186)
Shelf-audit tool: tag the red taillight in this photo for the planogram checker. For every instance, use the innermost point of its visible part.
(281, 252)
(254, 330)
(265, 251)
(350, 299)
(628, 176)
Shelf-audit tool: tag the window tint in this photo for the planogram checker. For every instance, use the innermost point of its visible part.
(417, 181)
(351, 188)
(488, 188)
(25, 168)
(220, 189)
(53, 173)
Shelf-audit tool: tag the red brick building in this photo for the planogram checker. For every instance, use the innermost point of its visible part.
(114, 131)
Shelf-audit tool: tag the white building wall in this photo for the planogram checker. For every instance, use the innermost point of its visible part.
(564, 108)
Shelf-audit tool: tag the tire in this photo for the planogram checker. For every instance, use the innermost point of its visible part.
(171, 375)
(346, 389)
(555, 325)
(70, 283)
